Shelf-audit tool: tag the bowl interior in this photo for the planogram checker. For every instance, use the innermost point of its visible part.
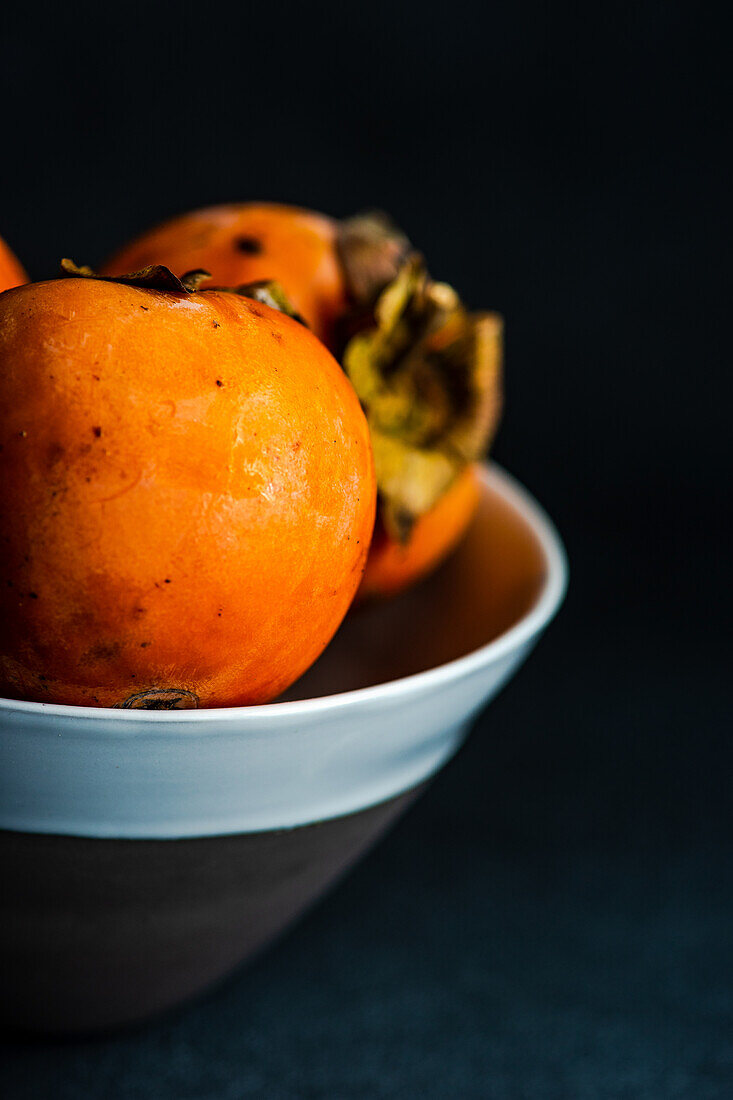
(490, 582)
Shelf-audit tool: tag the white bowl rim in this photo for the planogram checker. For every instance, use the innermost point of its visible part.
(532, 622)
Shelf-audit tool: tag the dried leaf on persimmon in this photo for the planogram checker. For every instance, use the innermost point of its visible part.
(155, 277)
(371, 250)
(270, 293)
(428, 376)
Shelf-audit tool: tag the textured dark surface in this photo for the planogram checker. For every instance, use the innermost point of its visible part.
(554, 918)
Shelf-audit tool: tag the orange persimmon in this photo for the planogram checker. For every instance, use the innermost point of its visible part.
(188, 493)
(393, 566)
(11, 270)
(427, 371)
(246, 242)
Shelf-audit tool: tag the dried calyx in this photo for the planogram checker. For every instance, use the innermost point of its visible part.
(371, 250)
(160, 699)
(427, 372)
(270, 293)
(155, 277)
(159, 277)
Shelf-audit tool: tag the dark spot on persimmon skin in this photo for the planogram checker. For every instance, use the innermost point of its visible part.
(97, 432)
(219, 382)
(216, 324)
(297, 445)
(33, 595)
(146, 308)
(139, 611)
(55, 454)
(103, 652)
(254, 310)
(144, 645)
(250, 246)
(277, 336)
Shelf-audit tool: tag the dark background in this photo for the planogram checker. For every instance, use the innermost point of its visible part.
(554, 918)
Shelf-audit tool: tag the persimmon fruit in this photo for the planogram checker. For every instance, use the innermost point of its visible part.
(188, 494)
(393, 565)
(245, 242)
(426, 370)
(11, 269)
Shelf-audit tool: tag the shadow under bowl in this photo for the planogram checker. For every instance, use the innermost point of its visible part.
(146, 854)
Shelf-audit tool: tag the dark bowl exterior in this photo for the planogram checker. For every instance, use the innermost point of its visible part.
(95, 934)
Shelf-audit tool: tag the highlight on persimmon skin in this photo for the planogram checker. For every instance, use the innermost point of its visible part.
(12, 272)
(245, 242)
(392, 566)
(192, 493)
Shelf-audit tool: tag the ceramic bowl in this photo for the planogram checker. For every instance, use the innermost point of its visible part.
(145, 854)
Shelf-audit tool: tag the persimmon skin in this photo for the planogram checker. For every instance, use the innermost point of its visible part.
(246, 242)
(392, 567)
(12, 272)
(188, 495)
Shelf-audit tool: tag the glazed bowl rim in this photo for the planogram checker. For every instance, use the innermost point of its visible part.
(541, 611)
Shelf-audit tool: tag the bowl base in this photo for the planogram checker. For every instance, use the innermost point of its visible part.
(97, 934)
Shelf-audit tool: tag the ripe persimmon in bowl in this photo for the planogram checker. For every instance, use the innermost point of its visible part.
(427, 369)
(187, 493)
(146, 854)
